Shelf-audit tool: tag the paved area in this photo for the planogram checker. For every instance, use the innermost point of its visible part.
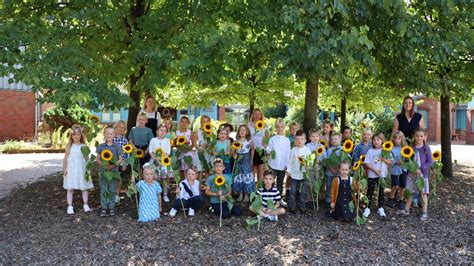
(17, 170)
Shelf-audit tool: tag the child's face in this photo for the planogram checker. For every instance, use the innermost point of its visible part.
(314, 137)
(397, 140)
(268, 180)
(367, 136)
(120, 129)
(335, 140)
(161, 132)
(227, 129)
(204, 120)
(191, 175)
(183, 124)
(168, 124)
(280, 128)
(344, 170)
(377, 142)
(148, 175)
(109, 134)
(243, 132)
(219, 168)
(300, 141)
(419, 138)
(293, 129)
(346, 134)
(141, 120)
(326, 128)
(222, 135)
(76, 137)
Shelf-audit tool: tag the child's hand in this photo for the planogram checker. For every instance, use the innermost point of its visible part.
(65, 172)
(418, 172)
(223, 198)
(377, 172)
(219, 192)
(333, 205)
(178, 190)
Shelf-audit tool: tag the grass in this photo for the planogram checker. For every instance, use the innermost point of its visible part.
(13, 145)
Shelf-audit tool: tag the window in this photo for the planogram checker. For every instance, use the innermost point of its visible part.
(461, 119)
(424, 113)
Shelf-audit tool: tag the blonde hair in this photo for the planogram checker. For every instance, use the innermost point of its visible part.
(364, 131)
(76, 128)
(154, 102)
(399, 133)
(142, 113)
(279, 121)
(294, 123)
(253, 113)
(167, 119)
(121, 122)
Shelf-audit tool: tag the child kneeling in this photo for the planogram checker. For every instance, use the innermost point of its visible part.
(269, 193)
(188, 194)
(218, 188)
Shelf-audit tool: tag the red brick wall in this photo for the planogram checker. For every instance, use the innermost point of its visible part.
(17, 115)
(469, 132)
(221, 114)
(434, 127)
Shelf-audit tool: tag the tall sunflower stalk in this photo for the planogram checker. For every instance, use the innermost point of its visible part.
(361, 180)
(438, 176)
(386, 153)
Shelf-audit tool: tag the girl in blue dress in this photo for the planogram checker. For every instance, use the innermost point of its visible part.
(222, 150)
(149, 190)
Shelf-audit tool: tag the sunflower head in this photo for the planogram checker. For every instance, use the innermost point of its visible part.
(158, 150)
(219, 180)
(323, 142)
(106, 155)
(301, 159)
(363, 125)
(95, 119)
(181, 140)
(140, 153)
(356, 166)
(407, 152)
(436, 155)
(259, 125)
(320, 150)
(237, 145)
(387, 145)
(362, 158)
(348, 145)
(207, 128)
(127, 148)
(166, 161)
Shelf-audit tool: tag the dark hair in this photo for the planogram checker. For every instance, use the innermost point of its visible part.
(412, 111)
(344, 128)
(247, 136)
(218, 160)
(185, 117)
(227, 125)
(300, 133)
(269, 172)
(379, 135)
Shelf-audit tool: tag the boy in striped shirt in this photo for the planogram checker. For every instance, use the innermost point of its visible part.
(269, 193)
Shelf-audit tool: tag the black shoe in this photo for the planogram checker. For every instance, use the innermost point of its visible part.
(391, 203)
(302, 211)
(293, 211)
(329, 213)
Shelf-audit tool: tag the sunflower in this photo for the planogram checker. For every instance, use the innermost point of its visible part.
(207, 128)
(158, 150)
(219, 180)
(166, 160)
(140, 153)
(347, 146)
(259, 125)
(356, 166)
(320, 150)
(301, 159)
(362, 125)
(323, 142)
(106, 155)
(127, 148)
(237, 145)
(181, 140)
(407, 152)
(362, 158)
(94, 119)
(436, 156)
(387, 145)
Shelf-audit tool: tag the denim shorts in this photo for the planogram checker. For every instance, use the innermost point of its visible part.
(399, 180)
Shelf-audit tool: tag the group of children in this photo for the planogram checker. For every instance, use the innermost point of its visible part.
(237, 166)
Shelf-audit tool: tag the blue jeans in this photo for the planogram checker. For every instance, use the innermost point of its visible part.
(297, 185)
(328, 188)
(111, 187)
(193, 203)
(236, 211)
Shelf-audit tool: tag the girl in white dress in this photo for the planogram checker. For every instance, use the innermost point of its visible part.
(74, 167)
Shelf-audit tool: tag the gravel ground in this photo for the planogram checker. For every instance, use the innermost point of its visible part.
(36, 229)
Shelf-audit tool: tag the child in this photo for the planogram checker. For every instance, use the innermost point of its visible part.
(149, 205)
(201, 144)
(314, 140)
(281, 146)
(229, 128)
(108, 202)
(120, 128)
(296, 172)
(269, 192)
(365, 145)
(424, 160)
(312, 146)
(376, 168)
(186, 132)
(257, 140)
(331, 172)
(188, 194)
(140, 136)
(326, 128)
(222, 150)
(341, 194)
(346, 133)
(218, 195)
(169, 126)
(160, 142)
(74, 168)
(293, 127)
(399, 178)
(243, 181)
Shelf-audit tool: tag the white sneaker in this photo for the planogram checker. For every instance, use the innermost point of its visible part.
(381, 212)
(87, 208)
(273, 218)
(70, 210)
(165, 198)
(366, 212)
(283, 203)
(117, 199)
(191, 212)
(173, 212)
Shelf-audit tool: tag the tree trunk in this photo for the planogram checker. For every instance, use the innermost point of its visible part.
(343, 111)
(135, 95)
(251, 104)
(311, 104)
(446, 137)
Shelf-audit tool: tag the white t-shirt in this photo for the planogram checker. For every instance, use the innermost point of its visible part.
(257, 136)
(282, 147)
(183, 194)
(160, 143)
(373, 158)
(294, 167)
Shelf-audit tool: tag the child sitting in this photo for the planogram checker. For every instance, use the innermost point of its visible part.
(188, 194)
(269, 193)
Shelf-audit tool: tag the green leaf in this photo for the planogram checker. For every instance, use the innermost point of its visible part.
(85, 151)
(407, 194)
(257, 204)
(360, 220)
(270, 204)
(420, 183)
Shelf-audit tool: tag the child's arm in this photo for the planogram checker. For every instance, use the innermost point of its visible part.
(66, 155)
(228, 148)
(252, 151)
(98, 160)
(370, 168)
(130, 139)
(193, 140)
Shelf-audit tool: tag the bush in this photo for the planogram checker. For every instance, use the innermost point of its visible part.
(58, 117)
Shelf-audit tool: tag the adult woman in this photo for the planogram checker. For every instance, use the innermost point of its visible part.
(408, 120)
(154, 117)
(257, 139)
